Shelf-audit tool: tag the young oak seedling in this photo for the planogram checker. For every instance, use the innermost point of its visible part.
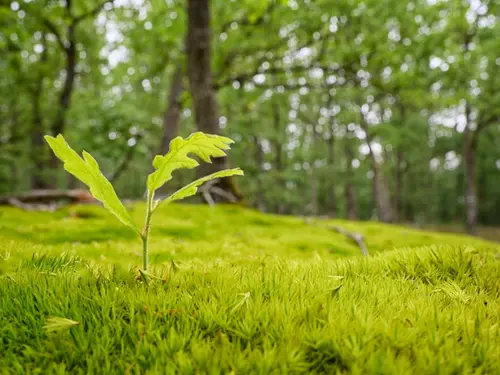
(87, 170)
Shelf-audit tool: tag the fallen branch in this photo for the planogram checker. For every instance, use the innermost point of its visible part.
(46, 200)
(210, 188)
(353, 236)
(356, 237)
(224, 194)
(204, 190)
(30, 206)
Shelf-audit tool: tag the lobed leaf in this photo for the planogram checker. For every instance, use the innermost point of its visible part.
(87, 170)
(205, 146)
(192, 188)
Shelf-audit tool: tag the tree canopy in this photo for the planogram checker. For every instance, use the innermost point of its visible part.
(370, 109)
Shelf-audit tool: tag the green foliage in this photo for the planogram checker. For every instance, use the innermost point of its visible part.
(87, 170)
(288, 79)
(288, 82)
(192, 188)
(202, 145)
(205, 146)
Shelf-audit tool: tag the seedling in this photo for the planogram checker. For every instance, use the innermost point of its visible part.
(87, 170)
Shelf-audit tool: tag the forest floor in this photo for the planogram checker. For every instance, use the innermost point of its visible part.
(242, 292)
(488, 233)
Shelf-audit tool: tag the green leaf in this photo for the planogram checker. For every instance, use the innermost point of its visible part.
(192, 188)
(87, 171)
(202, 145)
(55, 324)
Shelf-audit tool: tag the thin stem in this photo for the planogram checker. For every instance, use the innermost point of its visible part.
(145, 254)
(145, 232)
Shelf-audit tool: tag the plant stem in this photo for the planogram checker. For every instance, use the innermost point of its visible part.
(145, 231)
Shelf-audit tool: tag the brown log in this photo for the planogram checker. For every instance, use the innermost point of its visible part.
(46, 196)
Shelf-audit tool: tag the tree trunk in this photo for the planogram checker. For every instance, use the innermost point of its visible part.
(331, 163)
(379, 186)
(483, 189)
(67, 91)
(37, 143)
(314, 175)
(470, 187)
(259, 160)
(59, 122)
(171, 125)
(380, 192)
(278, 150)
(73, 182)
(408, 203)
(398, 191)
(201, 85)
(15, 137)
(172, 116)
(471, 201)
(350, 191)
(37, 180)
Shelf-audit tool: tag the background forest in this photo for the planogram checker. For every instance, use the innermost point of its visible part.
(386, 110)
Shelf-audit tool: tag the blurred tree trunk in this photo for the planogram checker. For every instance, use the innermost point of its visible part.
(398, 190)
(470, 185)
(73, 182)
(331, 164)
(482, 190)
(399, 167)
(259, 161)
(15, 138)
(314, 175)
(67, 91)
(68, 45)
(37, 132)
(407, 207)
(379, 185)
(15, 149)
(201, 86)
(172, 116)
(278, 150)
(380, 191)
(350, 191)
(171, 123)
(469, 155)
(59, 122)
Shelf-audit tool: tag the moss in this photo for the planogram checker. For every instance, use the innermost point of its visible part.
(185, 232)
(420, 311)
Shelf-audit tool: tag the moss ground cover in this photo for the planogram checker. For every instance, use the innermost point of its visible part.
(242, 292)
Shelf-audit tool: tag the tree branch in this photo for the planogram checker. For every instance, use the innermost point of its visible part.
(275, 71)
(53, 29)
(127, 158)
(257, 70)
(245, 21)
(484, 123)
(92, 13)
